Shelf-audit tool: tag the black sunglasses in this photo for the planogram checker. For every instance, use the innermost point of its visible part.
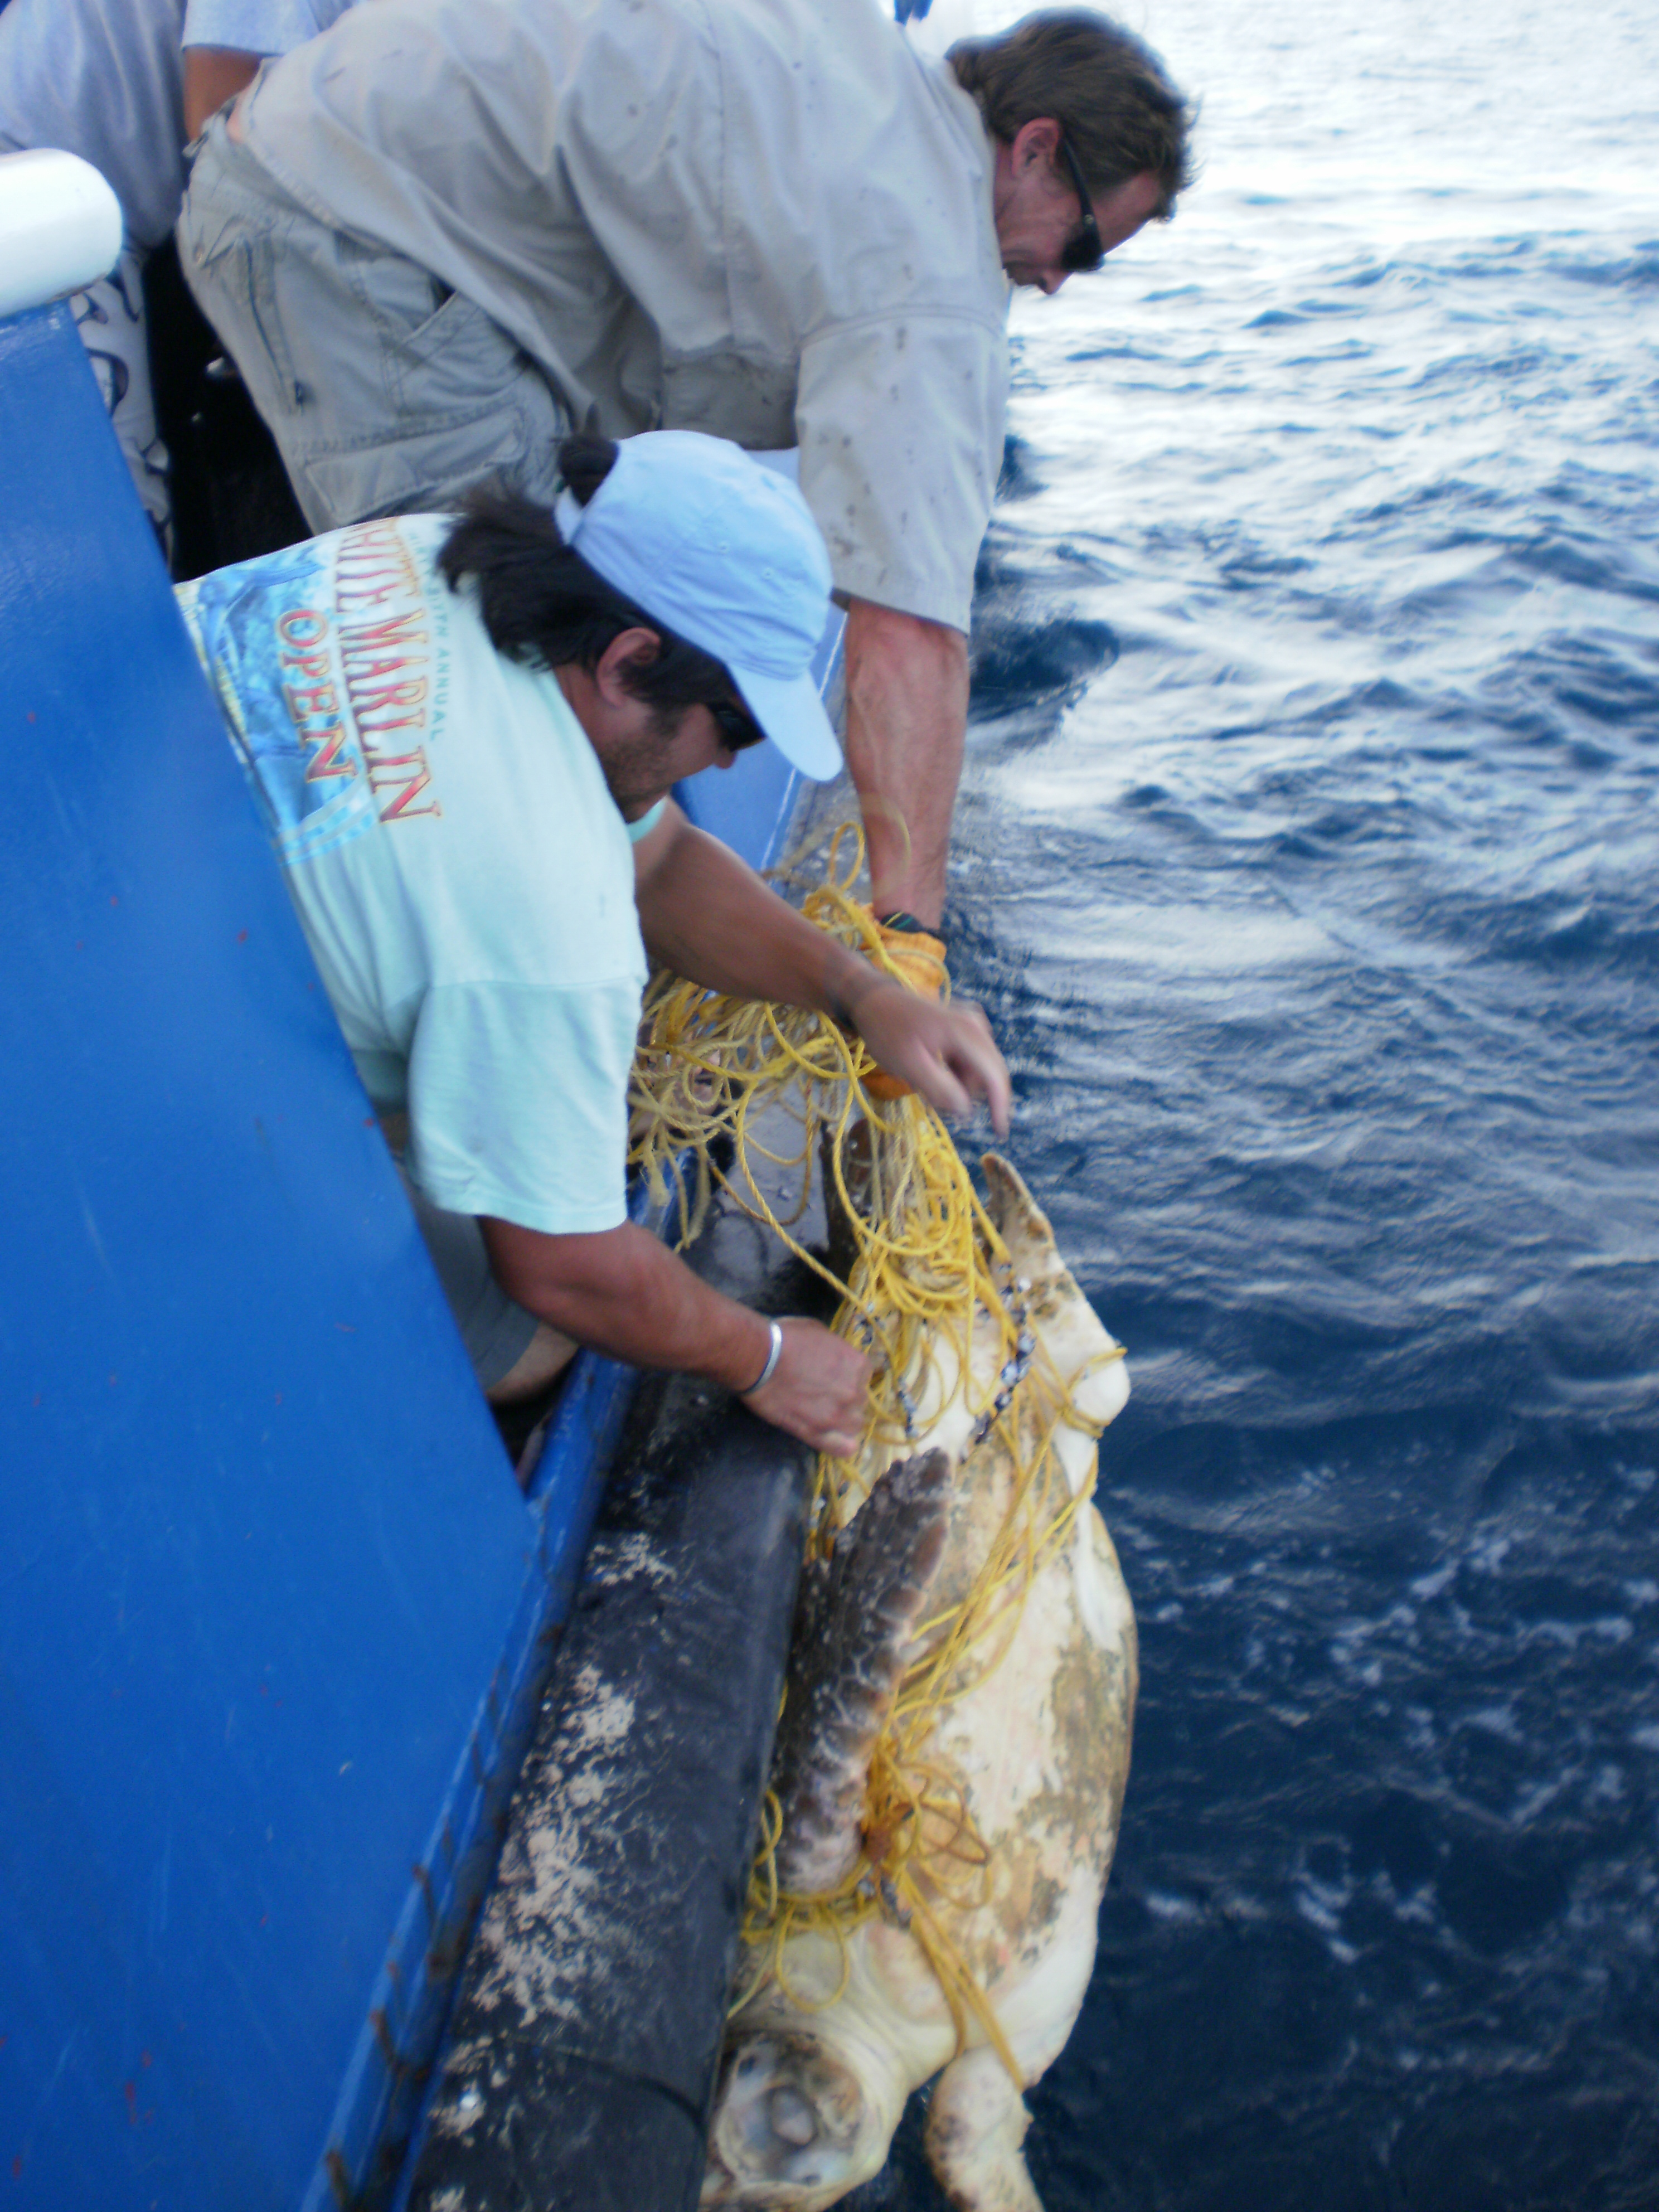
(1083, 252)
(737, 726)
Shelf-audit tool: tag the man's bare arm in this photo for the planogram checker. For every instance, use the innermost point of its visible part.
(213, 75)
(907, 712)
(625, 1294)
(710, 919)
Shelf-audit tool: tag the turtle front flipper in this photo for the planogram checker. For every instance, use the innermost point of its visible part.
(1088, 1358)
(858, 1613)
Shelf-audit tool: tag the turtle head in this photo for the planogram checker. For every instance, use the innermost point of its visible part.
(794, 2127)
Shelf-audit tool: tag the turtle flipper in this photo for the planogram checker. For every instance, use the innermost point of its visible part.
(1021, 1222)
(1083, 1350)
(858, 1612)
(975, 2124)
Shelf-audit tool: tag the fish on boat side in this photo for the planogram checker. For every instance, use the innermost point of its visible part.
(1025, 1757)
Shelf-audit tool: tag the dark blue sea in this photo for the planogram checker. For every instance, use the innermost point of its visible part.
(1307, 867)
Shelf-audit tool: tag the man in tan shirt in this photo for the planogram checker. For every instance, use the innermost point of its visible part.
(443, 233)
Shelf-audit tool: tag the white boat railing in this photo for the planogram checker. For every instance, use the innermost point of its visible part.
(60, 227)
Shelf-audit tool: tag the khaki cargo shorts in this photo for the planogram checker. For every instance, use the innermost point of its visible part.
(387, 393)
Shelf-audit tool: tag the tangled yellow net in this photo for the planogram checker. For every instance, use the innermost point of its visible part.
(928, 1273)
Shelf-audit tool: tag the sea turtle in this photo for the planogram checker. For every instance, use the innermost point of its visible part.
(1027, 1758)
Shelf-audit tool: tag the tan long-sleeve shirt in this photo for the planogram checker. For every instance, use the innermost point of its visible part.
(762, 218)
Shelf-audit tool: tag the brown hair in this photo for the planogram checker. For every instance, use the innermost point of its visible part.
(1106, 89)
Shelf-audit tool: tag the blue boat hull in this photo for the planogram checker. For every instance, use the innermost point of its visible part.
(276, 1613)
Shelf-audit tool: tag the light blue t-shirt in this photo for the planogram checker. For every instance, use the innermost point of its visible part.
(459, 867)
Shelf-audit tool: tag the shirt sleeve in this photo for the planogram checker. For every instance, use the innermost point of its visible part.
(899, 420)
(258, 27)
(518, 1102)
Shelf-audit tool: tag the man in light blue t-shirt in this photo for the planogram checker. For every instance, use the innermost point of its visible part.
(463, 736)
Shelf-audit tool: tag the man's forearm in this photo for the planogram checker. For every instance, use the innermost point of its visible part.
(907, 712)
(707, 916)
(627, 1295)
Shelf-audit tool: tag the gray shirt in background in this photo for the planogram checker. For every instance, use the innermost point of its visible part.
(104, 79)
(764, 219)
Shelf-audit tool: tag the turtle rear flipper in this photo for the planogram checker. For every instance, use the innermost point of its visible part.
(975, 2124)
(858, 1613)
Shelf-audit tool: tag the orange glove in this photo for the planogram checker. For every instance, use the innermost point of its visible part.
(920, 959)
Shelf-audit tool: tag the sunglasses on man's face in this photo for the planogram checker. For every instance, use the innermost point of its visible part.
(1083, 252)
(737, 726)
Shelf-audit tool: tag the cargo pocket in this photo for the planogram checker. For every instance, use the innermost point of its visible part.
(236, 286)
(474, 409)
(444, 358)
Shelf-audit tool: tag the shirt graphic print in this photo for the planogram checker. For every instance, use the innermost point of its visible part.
(332, 660)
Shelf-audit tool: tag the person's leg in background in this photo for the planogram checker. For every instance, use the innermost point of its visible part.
(110, 318)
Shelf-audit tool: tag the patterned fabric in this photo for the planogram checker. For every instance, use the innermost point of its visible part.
(110, 318)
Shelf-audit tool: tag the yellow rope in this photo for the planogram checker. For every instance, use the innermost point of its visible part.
(929, 1262)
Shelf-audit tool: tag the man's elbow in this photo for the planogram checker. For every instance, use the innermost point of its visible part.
(558, 1279)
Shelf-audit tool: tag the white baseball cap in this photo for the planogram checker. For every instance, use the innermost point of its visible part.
(727, 555)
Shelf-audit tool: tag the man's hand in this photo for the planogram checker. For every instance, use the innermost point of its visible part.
(945, 1053)
(818, 1391)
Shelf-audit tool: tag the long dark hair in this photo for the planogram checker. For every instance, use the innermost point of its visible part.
(544, 606)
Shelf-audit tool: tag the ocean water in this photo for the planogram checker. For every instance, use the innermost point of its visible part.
(1306, 865)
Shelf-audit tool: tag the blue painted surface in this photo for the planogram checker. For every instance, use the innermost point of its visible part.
(262, 1549)
(274, 1613)
(724, 801)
